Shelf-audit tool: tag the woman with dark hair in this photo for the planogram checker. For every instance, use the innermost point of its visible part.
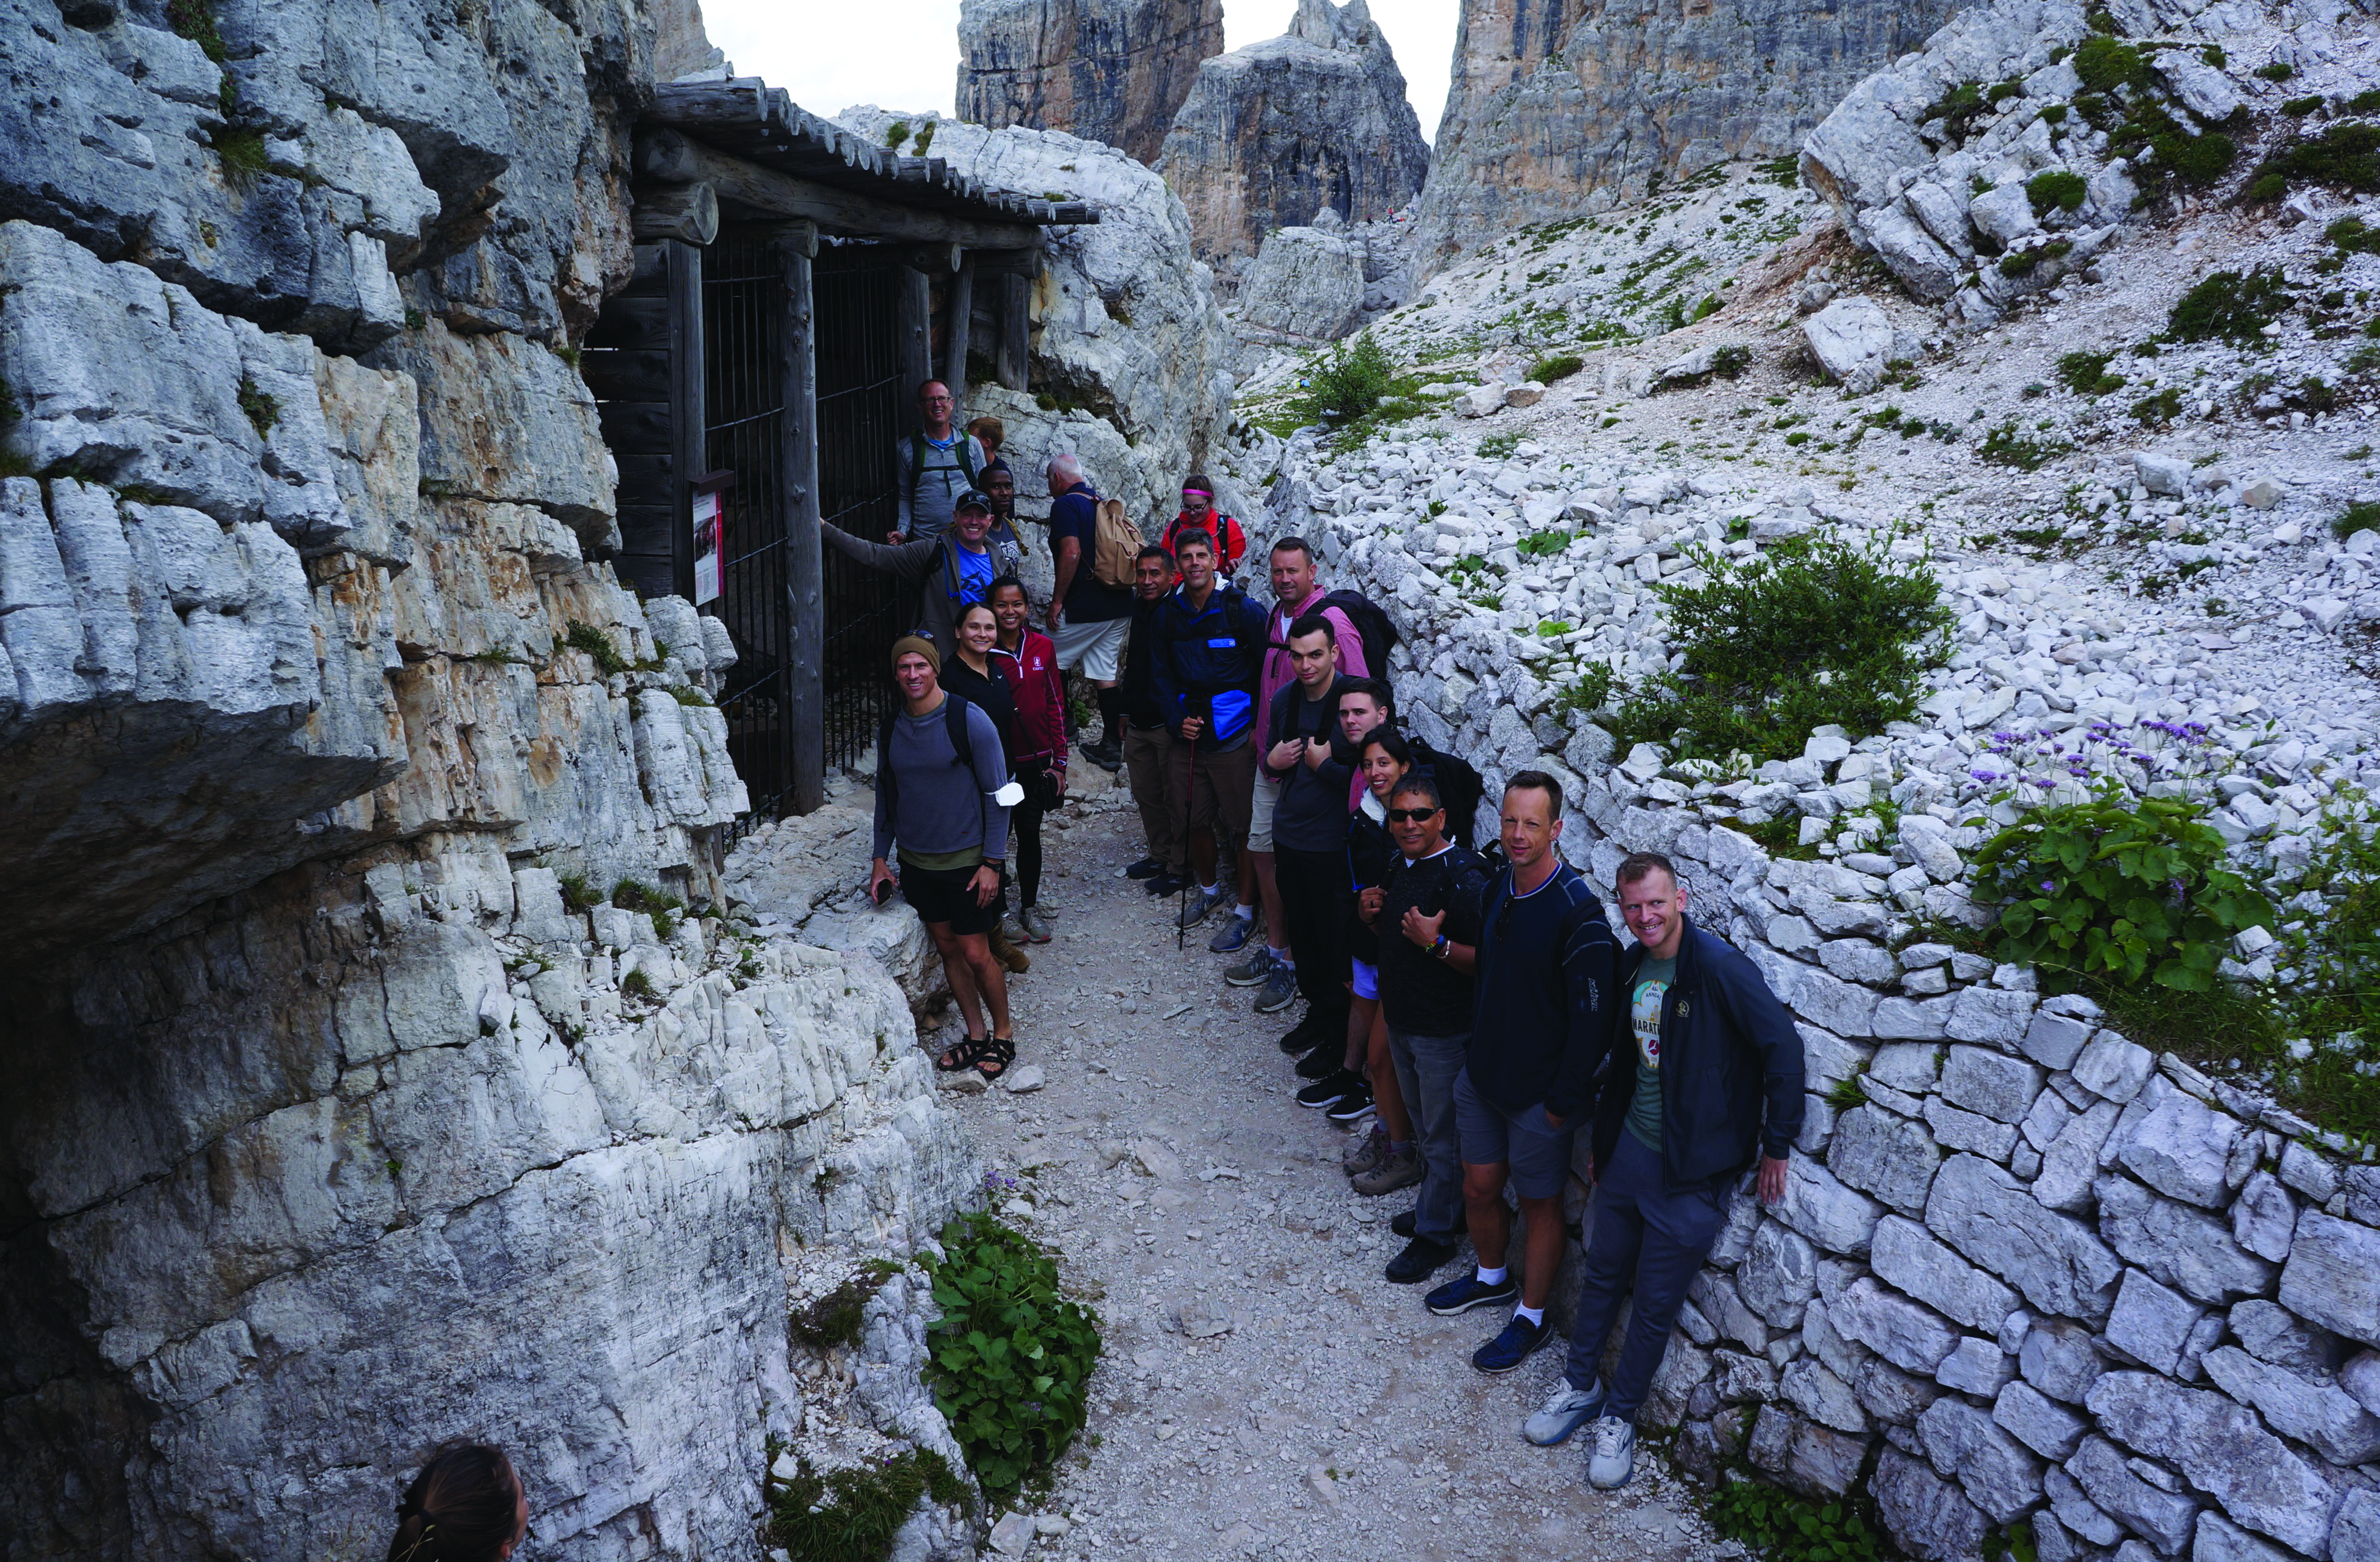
(1028, 661)
(468, 1505)
(1387, 1159)
(968, 672)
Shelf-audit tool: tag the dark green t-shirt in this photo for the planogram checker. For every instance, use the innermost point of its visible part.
(1652, 985)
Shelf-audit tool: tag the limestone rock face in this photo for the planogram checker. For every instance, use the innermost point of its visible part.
(1106, 70)
(1274, 132)
(1565, 108)
(1307, 283)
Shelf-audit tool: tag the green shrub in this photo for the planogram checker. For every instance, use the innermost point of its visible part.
(896, 133)
(263, 410)
(2105, 65)
(578, 895)
(1545, 371)
(1496, 447)
(2212, 54)
(2342, 154)
(1956, 108)
(1730, 361)
(2302, 105)
(2280, 71)
(2196, 160)
(1592, 692)
(585, 637)
(926, 140)
(2361, 515)
(1813, 631)
(2057, 187)
(2009, 445)
(1345, 384)
(2160, 407)
(1009, 1356)
(2002, 92)
(2230, 305)
(2351, 235)
(2019, 264)
(2365, 101)
(2054, 113)
(636, 983)
(241, 152)
(195, 21)
(2130, 888)
(852, 1515)
(1781, 1527)
(2086, 374)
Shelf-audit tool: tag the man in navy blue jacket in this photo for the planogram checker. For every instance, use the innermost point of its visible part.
(1209, 644)
(1706, 1077)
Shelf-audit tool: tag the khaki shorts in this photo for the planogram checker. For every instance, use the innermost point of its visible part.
(1097, 649)
(1220, 790)
(1266, 798)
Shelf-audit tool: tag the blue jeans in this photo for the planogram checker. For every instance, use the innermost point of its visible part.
(1658, 1238)
(1426, 1069)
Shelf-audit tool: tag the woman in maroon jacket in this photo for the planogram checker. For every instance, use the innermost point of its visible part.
(1029, 663)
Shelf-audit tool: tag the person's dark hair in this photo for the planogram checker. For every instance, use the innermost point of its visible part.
(1417, 784)
(1374, 687)
(1637, 864)
(1294, 545)
(1150, 552)
(965, 608)
(998, 465)
(1001, 583)
(1538, 781)
(1393, 744)
(462, 1507)
(1199, 482)
(1314, 624)
(1192, 538)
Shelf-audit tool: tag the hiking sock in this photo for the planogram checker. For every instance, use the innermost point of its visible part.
(1111, 712)
(1244, 912)
(1491, 1276)
(1210, 888)
(1536, 1315)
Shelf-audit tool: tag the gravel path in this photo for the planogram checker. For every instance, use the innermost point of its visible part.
(1336, 1418)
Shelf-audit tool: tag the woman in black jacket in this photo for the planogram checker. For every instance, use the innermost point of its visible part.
(967, 671)
(1387, 1159)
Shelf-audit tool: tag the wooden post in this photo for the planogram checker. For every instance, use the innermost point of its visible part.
(687, 456)
(687, 211)
(796, 245)
(1015, 327)
(961, 311)
(916, 323)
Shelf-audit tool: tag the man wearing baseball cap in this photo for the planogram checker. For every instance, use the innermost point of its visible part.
(950, 571)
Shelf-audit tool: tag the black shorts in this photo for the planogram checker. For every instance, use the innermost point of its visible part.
(941, 895)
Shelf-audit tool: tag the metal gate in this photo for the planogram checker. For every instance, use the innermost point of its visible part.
(743, 415)
(861, 413)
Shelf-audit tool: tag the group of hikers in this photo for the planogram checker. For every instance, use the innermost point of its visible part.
(1467, 1004)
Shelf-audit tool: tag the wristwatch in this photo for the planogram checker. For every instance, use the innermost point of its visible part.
(1440, 948)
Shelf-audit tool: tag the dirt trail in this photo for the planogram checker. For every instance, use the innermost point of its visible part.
(1336, 1418)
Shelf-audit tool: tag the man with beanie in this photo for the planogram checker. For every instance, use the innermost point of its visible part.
(1705, 1079)
(1088, 619)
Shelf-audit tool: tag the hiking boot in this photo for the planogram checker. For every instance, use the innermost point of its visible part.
(1252, 971)
(1330, 1089)
(1399, 1169)
(1279, 990)
(1404, 1224)
(1516, 1344)
(1232, 936)
(1565, 1411)
(1614, 1459)
(1420, 1260)
(1036, 923)
(1367, 1153)
(1457, 1297)
(1200, 906)
(1322, 1062)
(1106, 757)
(1008, 954)
(1353, 1107)
(1147, 867)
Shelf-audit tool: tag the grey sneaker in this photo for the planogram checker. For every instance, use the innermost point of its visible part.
(1614, 1459)
(1036, 924)
(1401, 1170)
(1564, 1412)
(1198, 905)
(1013, 930)
(1367, 1153)
(1251, 971)
(1279, 990)
(1234, 936)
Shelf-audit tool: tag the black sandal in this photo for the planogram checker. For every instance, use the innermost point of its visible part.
(962, 1057)
(997, 1054)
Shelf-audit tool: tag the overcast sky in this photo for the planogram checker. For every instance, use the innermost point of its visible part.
(905, 53)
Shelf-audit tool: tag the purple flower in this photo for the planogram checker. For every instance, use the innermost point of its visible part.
(2049, 886)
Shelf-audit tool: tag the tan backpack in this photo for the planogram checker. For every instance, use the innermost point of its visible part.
(1117, 545)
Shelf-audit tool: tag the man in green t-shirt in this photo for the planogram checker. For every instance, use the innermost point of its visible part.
(1652, 983)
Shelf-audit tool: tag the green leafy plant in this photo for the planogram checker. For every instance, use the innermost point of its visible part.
(2280, 71)
(1345, 384)
(2130, 888)
(1546, 371)
(1956, 108)
(1591, 693)
(2008, 446)
(2158, 407)
(1496, 447)
(2230, 305)
(1543, 544)
(926, 139)
(195, 21)
(2105, 64)
(1782, 1527)
(1813, 631)
(2012, 1545)
(2086, 374)
(2057, 188)
(2352, 235)
(896, 133)
(1011, 1355)
(1730, 361)
(851, 1515)
(585, 637)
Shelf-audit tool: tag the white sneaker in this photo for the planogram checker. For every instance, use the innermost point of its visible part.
(1614, 1459)
(1565, 1409)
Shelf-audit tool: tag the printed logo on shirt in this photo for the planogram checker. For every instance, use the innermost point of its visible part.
(1644, 1019)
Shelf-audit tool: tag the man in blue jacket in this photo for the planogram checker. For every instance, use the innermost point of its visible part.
(1706, 1076)
(1209, 642)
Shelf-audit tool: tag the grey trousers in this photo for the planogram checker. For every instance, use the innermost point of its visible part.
(1651, 1239)
(1426, 1069)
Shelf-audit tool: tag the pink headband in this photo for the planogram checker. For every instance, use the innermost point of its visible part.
(1201, 492)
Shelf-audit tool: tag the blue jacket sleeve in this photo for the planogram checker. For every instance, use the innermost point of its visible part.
(1768, 1030)
(1590, 986)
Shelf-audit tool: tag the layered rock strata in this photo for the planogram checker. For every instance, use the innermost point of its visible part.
(1107, 70)
(1275, 132)
(1559, 108)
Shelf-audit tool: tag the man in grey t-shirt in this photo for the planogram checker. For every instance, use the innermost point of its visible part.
(934, 466)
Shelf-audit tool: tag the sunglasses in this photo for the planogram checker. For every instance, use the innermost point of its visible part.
(1412, 816)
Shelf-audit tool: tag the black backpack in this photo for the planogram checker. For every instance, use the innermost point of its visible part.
(1373, 626)
(887, 780)
(1459, 787)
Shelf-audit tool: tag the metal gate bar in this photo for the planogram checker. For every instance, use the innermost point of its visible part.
(860, 417)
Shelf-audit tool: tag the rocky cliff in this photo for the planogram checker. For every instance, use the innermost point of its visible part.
(1106, 70)
(1562, 107)
(367, 1087)
(1275, 132)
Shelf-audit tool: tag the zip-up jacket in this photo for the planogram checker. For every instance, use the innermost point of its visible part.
(1205, 665)
(1732, 1076)
(1031, 671)
(1541, 1023)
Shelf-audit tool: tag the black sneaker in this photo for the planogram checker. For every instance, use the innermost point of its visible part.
(1330, 1089)
(1322, 1062)
(1420, 1260)
(1303, 1036)
(1148, 867)
(1355, 1105)
(1460, 1296)
(1165, 883)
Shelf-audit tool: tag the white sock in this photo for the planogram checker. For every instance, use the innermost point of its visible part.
(1245, 913)
(1536, 1315)
(1491, 1276)
(1281, 957)
(1210, 889)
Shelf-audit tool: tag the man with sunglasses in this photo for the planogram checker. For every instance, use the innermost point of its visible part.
(1428, 923)
(1539, 1032)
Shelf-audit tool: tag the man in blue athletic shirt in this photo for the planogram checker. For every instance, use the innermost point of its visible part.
(1706, 1078)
